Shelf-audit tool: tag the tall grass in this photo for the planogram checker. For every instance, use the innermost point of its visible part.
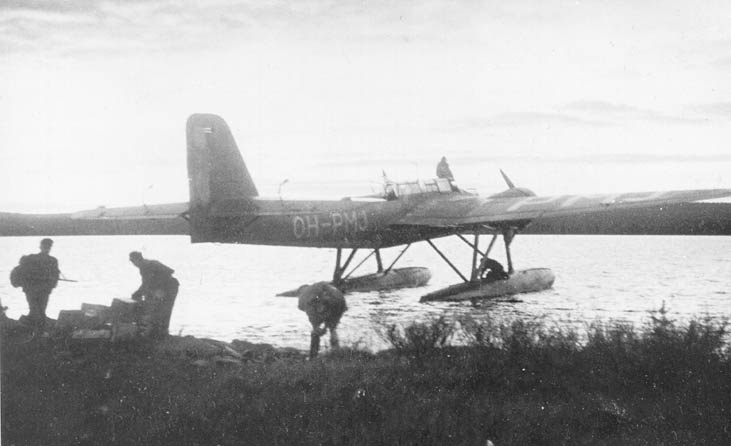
(417, 338)
(665, 382)
(661, 337)
(514, 383)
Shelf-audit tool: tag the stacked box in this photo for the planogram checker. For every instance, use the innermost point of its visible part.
(123, 310)
(70, 318)
(124, 331)
(100, 312)
(76, 319)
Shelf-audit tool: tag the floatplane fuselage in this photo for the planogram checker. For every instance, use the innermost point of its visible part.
(225, 207)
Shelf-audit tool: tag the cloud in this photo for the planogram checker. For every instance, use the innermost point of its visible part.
(598, 158)
(212, 22)
(723, 63)
(600, 107)
(378, 163)
(527, 118)
(715, 109)
(623, 113)
(163, 24)
(588, 113)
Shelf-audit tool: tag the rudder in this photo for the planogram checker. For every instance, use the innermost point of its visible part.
(216, 169)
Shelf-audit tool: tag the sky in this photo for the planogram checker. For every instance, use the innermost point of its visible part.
(565, 96)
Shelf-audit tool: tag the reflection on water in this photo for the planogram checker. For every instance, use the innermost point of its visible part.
(228, 291)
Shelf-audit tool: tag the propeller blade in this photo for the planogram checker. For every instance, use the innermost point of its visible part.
(507, 180)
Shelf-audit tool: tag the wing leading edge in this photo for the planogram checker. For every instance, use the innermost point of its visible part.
(473, 210)
(147, 212)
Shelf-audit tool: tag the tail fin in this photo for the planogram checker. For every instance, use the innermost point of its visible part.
(216, 170)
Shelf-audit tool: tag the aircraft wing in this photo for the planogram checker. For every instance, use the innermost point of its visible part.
(145, 212)
(466, 211)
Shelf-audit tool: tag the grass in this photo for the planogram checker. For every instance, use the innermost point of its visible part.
(516, 383)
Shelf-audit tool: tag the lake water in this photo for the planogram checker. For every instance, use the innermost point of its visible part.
(228, 291)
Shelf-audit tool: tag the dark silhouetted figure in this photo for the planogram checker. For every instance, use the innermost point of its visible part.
(38, 275)
(443, 170)
(496, 270)
(324, 305)
(157, 293)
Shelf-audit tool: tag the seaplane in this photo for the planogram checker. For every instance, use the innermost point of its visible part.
(225, 207)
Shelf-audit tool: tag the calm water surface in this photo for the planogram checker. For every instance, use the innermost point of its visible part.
(228, 291)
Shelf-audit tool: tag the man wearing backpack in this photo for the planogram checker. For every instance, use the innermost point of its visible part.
(38, 275)
(324, 305)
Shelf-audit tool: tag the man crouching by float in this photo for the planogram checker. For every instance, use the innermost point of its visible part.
(157, 293)
(324, 305)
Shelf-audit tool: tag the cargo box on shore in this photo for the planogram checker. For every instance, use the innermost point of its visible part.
(123, 310)
(76, 319)
(101, 312)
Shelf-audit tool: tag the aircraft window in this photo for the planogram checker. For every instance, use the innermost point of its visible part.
(431, 186)
(444, 185)
(394, 190)
(390, 192)
(408, 188)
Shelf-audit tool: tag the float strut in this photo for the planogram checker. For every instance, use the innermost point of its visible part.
(492, 242)
(508, 239)
(338, 274)
(396, 260)
(447, 260)
(358, 265)
(350, 258)
(378, 260)
(475, 251)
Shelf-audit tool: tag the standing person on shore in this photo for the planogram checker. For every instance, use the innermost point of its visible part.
(159, 289)
(38, 275)
(324, 305)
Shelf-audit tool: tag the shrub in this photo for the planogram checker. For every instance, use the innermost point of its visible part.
(419, 337)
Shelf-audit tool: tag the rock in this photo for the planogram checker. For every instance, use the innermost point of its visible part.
(245, 347)
(85, 333)
(223, 360)
(232, 352)
(188, 346)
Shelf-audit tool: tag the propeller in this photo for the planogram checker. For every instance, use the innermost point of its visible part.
(507, 180)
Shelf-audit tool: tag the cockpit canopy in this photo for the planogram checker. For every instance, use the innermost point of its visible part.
(438, 185)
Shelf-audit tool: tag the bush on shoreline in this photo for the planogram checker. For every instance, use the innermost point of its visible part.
(512, 383)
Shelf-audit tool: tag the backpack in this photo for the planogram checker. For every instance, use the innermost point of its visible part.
(17, 276)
